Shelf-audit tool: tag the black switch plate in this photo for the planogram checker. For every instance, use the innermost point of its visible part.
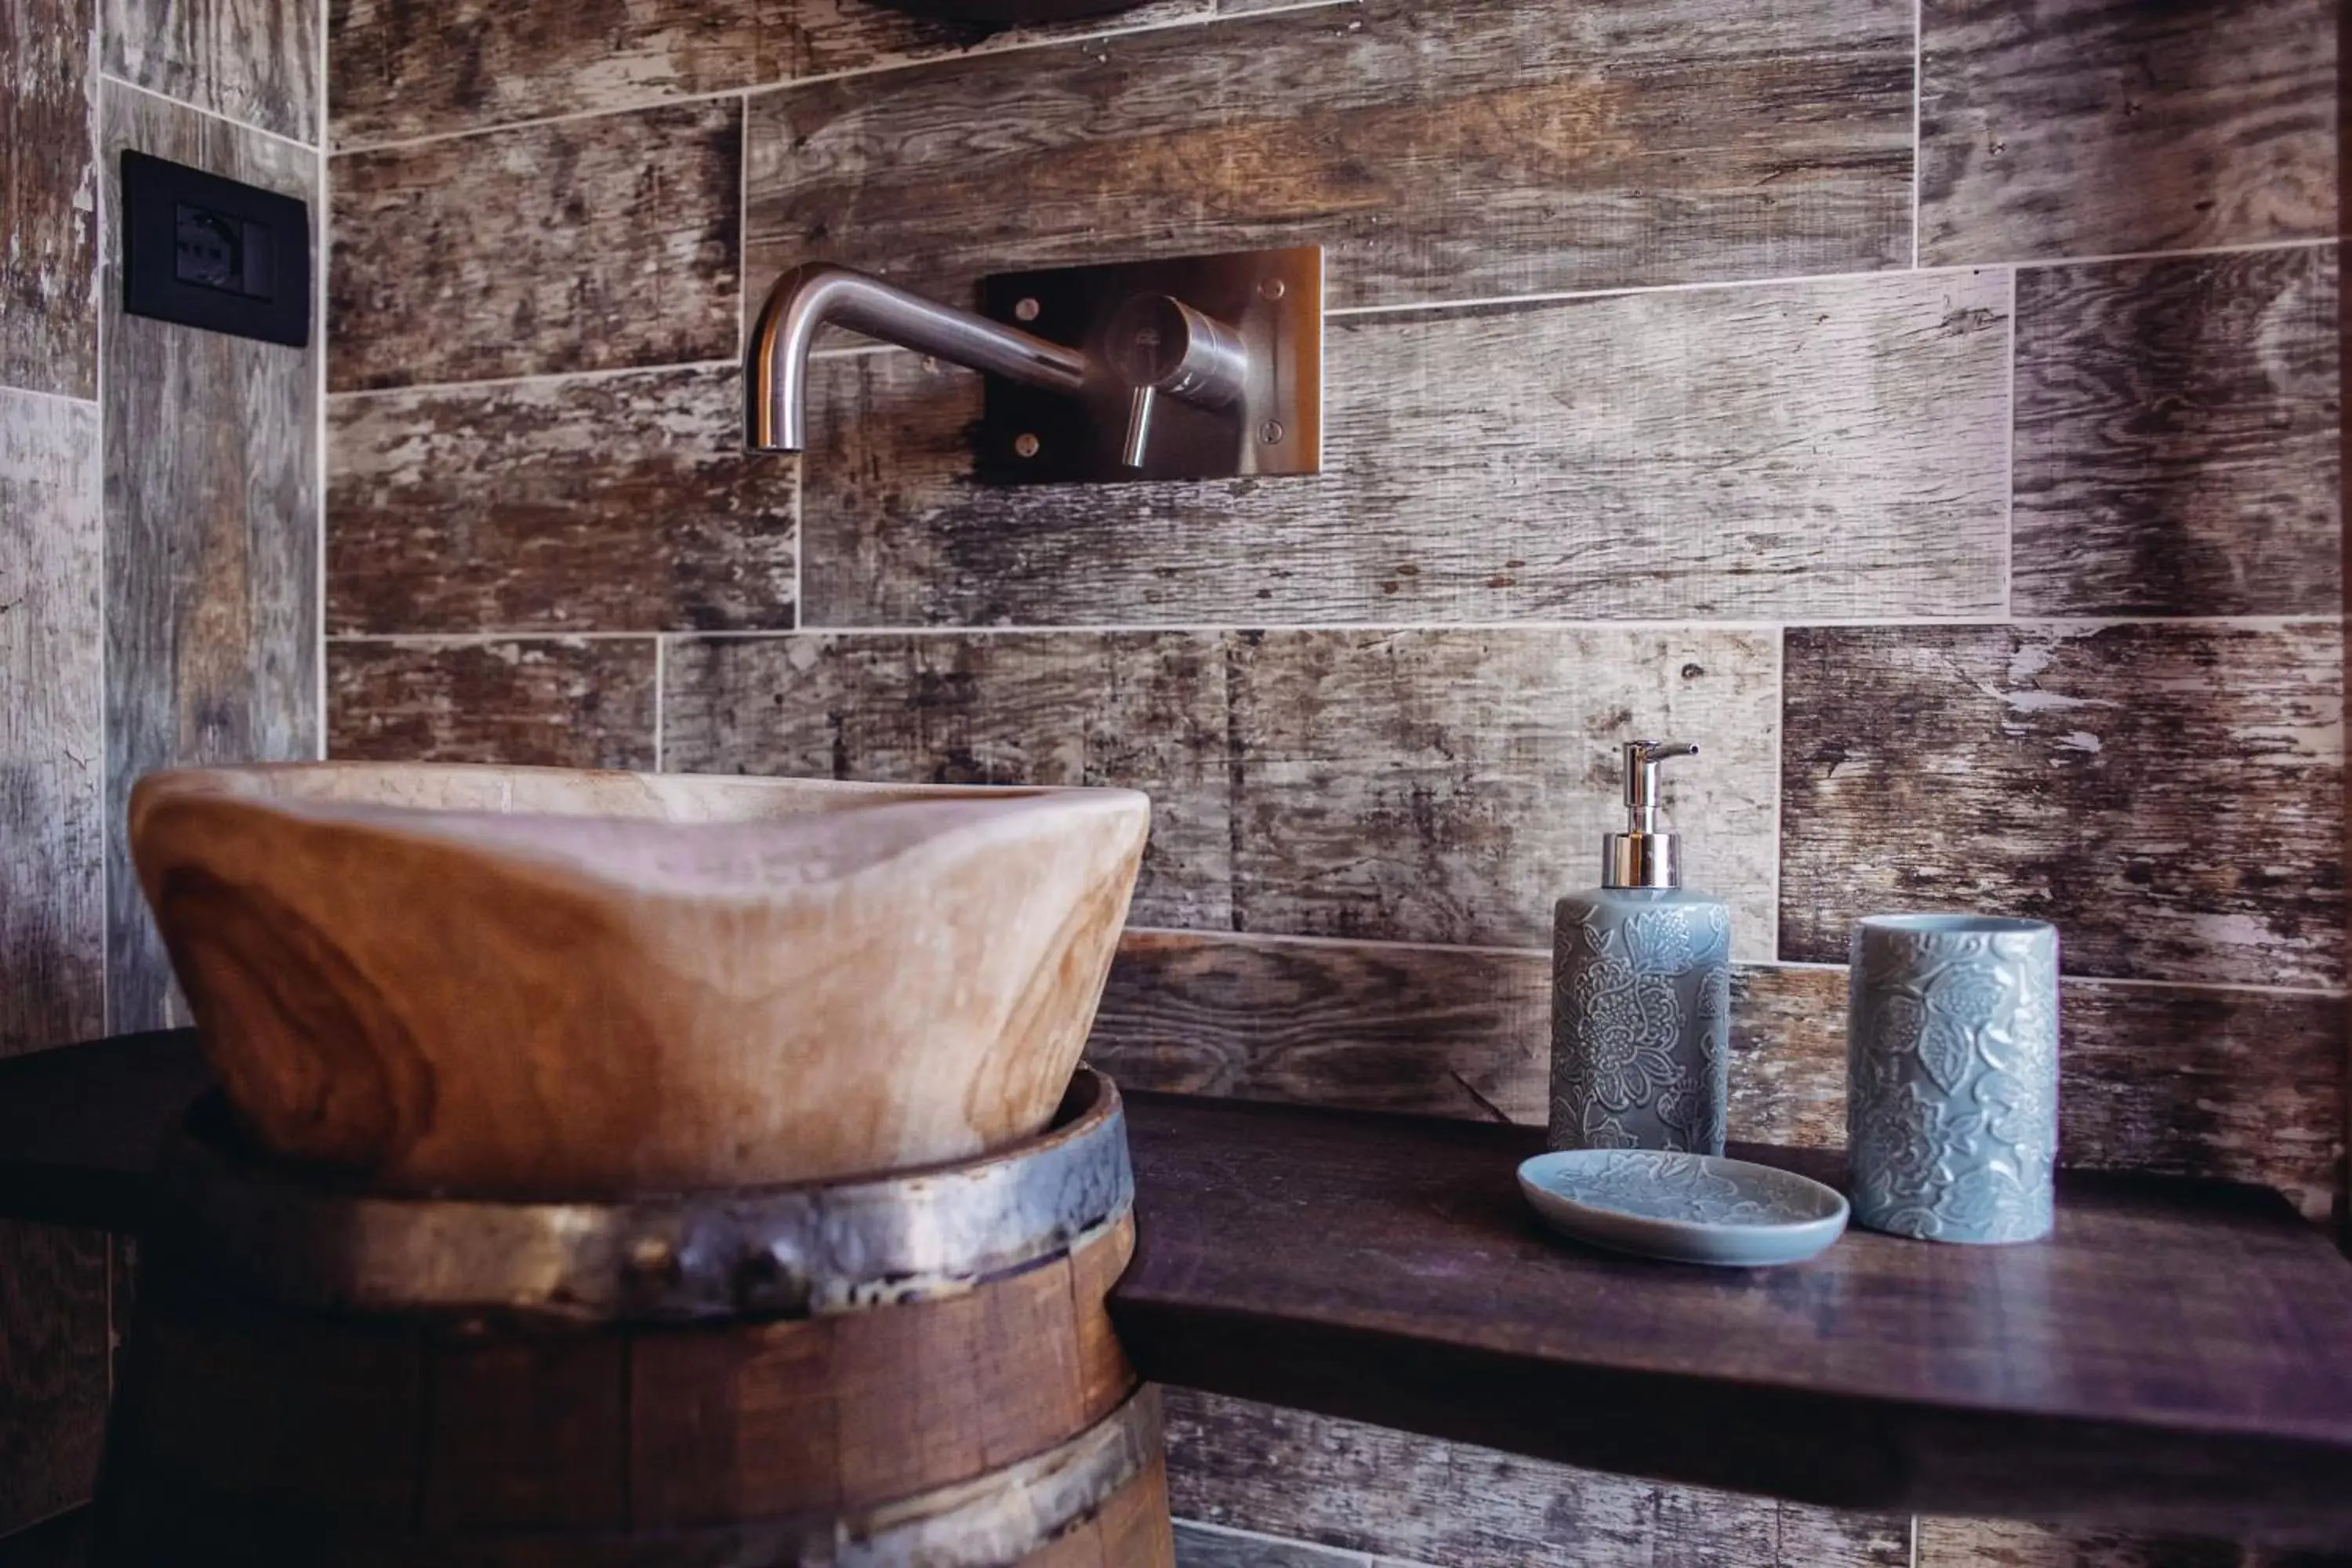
(212, 253)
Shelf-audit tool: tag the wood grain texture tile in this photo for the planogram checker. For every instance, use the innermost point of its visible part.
(1447, 787)
(553, 702)
(617, 503)
(52, 1369)
(1437, 1031)
(2248, 1086)
(1358, 1487)
(49, 222)
(254, 61)
(53, 1352)
(583, 245)
(2171, 795)
(212, 530)
(1829, 449)
(2081, 128)
(2243, 1086)
(52, 743)
(2177, 444)
(401, 71)
(1144, 710)
(1475, 149)
(1205, 1546)
(2003, 1543)
(2186, 1080)
(1788, 1056)
(1414, 787)
(1442, 1031)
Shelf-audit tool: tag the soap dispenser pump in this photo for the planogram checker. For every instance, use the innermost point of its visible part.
(1641, 1020)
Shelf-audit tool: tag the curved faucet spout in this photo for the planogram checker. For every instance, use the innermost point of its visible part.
(775, 367)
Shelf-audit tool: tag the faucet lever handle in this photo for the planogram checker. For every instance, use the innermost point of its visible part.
(1159, 342)
(1138, 426)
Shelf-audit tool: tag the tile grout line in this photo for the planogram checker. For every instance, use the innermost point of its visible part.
(482, 639)
(1016, 44)
(1918, 86)
(495, 383)
(743, 229)
(326, 248)
(1335, 313)
(1178, 629)
(104, 782)
(2009, 468)
(325, 83)
(661, 660)
(2189, 253)
(2115, 982)
(1224, 936)
(321, 297)
(280, 137)
(1613, 291)
(1339, 1554)
(534, 122)
(65, 398)
(1779, 774)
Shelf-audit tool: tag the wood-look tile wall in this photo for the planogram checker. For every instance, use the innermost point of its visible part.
(159, 523)
(1929, 408)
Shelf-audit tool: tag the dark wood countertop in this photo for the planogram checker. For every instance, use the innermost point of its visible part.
(2178, 1355)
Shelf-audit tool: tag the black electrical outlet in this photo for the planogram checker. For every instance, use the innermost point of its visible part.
(211, 253)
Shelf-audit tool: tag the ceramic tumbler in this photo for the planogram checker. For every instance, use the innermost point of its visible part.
(1952, 1076)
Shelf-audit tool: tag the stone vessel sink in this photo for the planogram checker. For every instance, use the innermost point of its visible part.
(555, 983)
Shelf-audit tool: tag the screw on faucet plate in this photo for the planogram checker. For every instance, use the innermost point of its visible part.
(1026, 443)
(1027, 310)
(1270, 432)
(1271, 289)
(652, 1258)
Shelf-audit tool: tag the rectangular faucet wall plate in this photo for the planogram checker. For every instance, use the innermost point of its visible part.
(1253, 318)
(209, 252)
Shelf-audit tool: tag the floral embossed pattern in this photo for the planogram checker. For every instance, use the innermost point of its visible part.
(1952, 1060)
(1662, 1186)
(1640, 1022)
(1693, 1208)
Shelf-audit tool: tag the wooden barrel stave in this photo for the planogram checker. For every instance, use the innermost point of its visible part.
(253, 1431)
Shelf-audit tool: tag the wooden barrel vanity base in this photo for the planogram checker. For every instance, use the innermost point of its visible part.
(910, 1371)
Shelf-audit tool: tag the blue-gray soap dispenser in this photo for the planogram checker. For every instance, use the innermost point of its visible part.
(1640, 1006)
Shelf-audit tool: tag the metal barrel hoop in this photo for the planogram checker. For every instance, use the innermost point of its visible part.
(808, 1250)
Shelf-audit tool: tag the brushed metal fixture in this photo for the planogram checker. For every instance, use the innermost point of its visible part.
(1202, 367)
(808, 297)
(1195, 367)
(803, 1251)
(1009, 13)
(1647, 854)
(1163, 346)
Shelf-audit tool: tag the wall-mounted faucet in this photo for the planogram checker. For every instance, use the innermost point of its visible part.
(807, 298)
(1203, 367)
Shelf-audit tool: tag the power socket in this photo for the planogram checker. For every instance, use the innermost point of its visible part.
(212, 253)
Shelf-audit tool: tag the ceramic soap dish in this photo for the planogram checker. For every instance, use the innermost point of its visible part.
(1689, 1208)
